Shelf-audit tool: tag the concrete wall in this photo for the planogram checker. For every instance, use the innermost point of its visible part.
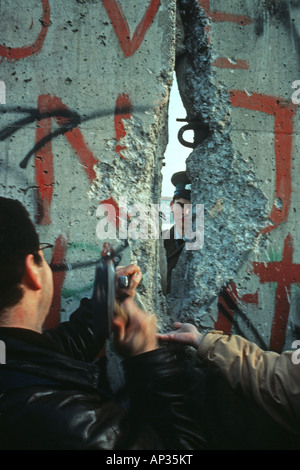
(87, 87)
(236, 71)
(85, 114)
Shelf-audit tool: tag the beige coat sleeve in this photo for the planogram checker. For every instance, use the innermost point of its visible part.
(272, 380)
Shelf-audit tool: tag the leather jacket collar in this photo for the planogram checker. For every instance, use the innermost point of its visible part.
(30, 352)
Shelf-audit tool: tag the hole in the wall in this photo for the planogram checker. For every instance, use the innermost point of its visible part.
(176, 153)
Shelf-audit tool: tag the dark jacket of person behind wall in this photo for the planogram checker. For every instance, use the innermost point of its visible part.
(173, 250)
(54, 396)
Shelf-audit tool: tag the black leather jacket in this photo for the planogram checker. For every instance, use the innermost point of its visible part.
(53, 395)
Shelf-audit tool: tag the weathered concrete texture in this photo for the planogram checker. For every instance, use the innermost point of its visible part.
(93, 79)
(235, 78)
(87, 88)
(222, 179)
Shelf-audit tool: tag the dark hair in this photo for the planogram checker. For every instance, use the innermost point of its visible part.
(18, 238)
(178, 196)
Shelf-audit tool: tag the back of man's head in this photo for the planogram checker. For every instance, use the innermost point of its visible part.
(18, 238)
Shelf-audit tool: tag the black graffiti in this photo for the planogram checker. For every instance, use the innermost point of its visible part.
(231, 305)
(280, 10)
(115, 254)
(72, 119)
(34, 115)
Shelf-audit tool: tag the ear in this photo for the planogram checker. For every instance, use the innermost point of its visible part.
(32, 274)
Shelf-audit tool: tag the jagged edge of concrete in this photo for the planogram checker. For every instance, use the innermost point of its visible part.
(222, 179)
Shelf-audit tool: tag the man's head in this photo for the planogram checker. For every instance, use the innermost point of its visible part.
(182, 185)
(181, 203)
(21, 258)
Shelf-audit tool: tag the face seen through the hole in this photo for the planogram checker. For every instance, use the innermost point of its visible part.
(180, 208)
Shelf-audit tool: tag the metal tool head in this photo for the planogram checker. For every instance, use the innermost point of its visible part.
(103, 297)
(104, 294)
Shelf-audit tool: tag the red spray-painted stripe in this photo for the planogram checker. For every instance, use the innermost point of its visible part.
(220, 16)
(123, 102)
(16, 53)
(129, 46)
(284, 273)
(44, 156)
(114, 218)
(283, 112)
(217, 17)
(228, 64)
(75, 138)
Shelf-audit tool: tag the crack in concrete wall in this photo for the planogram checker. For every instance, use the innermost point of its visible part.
(222, 179)
(84, 62)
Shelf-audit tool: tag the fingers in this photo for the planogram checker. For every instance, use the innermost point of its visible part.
(185, 333)
(134, 275)
(166, 336)
(134, 281)
(171, 334)
(138, 334)
(128, 270)
(177, 324)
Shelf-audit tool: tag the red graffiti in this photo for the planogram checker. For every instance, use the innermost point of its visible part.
(59, 253)
(231, 64)
(114, 218)
(284, 273)
(283, 112)
(123, 102)
(218, 16)
(16, 53)
(130, 46)
(44, 156)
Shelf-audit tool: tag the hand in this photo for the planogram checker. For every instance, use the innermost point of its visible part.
(185, 333)
(134, 275)
(134, 331)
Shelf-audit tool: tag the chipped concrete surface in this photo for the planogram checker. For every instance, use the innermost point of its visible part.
(235, 63)
(234, 69)
(76, 57)
(222, 180)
